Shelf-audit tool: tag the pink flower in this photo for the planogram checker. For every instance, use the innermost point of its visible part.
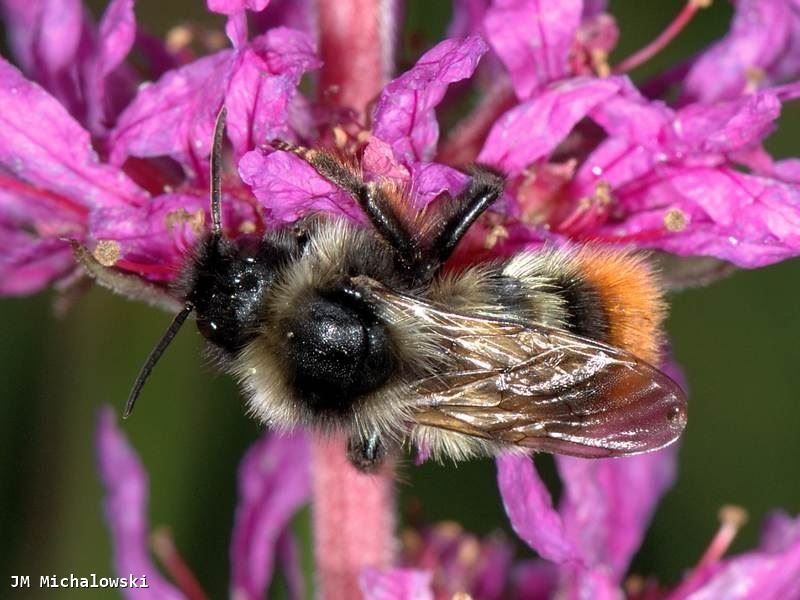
(80, 63)
(653, 176)
(402, 141)
(760, 49)
(273, 484)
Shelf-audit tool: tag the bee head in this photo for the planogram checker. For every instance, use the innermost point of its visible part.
(228, 284)
(225, 283)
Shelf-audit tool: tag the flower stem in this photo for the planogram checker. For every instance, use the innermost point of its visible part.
(357, 50)
(353, 520)
(353, 513)
(666, 36)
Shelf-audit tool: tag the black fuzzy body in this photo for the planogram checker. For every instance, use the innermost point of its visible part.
(331, 347)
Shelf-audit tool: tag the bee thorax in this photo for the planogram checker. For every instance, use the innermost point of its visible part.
(336, 352)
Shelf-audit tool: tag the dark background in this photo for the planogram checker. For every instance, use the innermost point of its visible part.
(736, 339)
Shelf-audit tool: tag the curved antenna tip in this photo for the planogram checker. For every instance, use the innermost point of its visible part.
(153, 357)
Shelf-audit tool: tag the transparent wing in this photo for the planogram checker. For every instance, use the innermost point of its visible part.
(538, 387)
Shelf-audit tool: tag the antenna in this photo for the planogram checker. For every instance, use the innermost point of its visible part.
(216, 232)
(216, 179)
(153, 357)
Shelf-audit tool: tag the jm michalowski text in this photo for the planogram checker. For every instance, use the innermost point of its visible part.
(74, 581)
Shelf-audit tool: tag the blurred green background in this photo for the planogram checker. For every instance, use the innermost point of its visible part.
(737, 341)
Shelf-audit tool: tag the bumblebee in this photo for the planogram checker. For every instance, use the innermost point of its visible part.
(360, 329)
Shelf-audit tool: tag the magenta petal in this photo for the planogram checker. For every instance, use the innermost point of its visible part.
(533, 129)
(289, 556)
(116, 35)
(229, 7)
(175, 115)
(615, 161)
(724, 127)
(467, 17)
(258, 106)
(59, 31)
(596, 584)
(379, 162)
(404, 115)
(534, 580)
(236, 29)
(395, 584)
(117, 32)
(28, 264)
(42, 144)
(699, 128)
(780, 531)
(761, 163)
(533, 39)
(262, 86)
(748, 220)
(759, 34)
(125, 482)
(645, 134)
(628, 114)
(756, 576)
(274, 481)
(608, 503)
(530, 509)
(289, 187)
(162, 232)
(21, 18)
(787, 65)
(429, 180)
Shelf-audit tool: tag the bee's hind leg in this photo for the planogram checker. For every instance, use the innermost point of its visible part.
(367, 454)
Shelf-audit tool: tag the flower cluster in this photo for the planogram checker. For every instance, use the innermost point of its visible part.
(95, 150)
(589, 157)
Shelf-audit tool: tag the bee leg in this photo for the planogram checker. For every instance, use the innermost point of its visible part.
(374, 200)
(366, 454)
(484, 188)
(124, 284)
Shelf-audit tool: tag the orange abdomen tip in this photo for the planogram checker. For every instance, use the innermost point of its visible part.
(631, 296)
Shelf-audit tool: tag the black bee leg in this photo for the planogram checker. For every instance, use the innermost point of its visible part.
(373, 199)
(366, 454)
(418, 257)
(484, 188)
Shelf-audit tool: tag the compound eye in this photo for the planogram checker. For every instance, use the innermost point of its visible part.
(207, 327)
